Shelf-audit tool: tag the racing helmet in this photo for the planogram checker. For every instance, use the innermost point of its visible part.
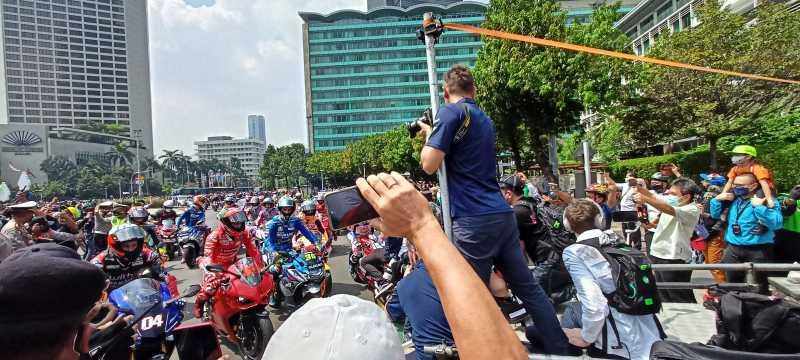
(229, 200)
(138, 215)
(363, 229)
(169, 204)
(286, 206)
(269, 202)
(121, 235)
(308, 208)
(253, 200)
(233, 219)
(320, 198)
(200, 200)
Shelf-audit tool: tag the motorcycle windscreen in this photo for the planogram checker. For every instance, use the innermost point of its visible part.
(248, 271)
(168, 223)
(137, 296)
(197, 341)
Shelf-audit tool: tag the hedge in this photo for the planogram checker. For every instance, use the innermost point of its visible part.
(781, 160)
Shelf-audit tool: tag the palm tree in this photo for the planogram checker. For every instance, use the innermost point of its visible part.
(119, 155)
(171, 160)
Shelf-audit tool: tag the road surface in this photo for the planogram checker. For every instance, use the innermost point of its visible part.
(342, 283)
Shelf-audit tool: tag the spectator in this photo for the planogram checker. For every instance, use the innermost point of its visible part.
(606, 197)
(744, 161)
(483, 226)
(531, 229)
(750, 233)
(415, 299)
(715, 245)
(479, 329)
(658, 186)
(679, 216)
(106, 215)
(627, 203)
(15, 229)
(34, 323)
(41, 232)
(355, 329)
(586, 320)
(787, 240)
(529, 190)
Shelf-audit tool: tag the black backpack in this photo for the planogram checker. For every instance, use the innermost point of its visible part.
(757, 323)
(558, 237)
(636, 291)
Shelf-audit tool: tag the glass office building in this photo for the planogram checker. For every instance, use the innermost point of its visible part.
(366, 72)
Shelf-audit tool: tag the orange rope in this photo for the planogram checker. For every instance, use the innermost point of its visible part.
(614, 54)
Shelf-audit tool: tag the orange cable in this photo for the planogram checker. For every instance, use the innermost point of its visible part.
(614, 54)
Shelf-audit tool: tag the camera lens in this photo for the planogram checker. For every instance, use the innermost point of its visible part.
(413, 129)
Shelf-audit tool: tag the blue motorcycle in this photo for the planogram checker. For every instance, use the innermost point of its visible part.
(157, 313)
(305, 274)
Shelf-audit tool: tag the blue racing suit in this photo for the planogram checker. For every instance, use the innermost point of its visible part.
(193, 216)
(280, 232)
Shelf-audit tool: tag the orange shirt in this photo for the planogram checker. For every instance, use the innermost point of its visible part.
(761, 173)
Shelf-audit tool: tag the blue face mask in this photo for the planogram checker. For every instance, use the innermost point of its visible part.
(741, 191)
(673, 200)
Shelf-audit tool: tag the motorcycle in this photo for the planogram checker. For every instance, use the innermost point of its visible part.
(238, 310)
(362, 246)
(156, 310)
(191, 241)
(215, 205)
(168, 234)
(306, 275)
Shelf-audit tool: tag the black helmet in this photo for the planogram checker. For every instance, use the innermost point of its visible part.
(230, 200)
(138, 214)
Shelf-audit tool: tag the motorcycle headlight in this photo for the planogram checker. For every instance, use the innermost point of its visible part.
(243, 300)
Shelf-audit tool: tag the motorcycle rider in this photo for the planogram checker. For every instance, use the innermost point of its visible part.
(229, 202)
(311, 221)
(126, 256)
(281, 229)
(167, 212)
(322, 213)
(196, 213)
(138, 216)
(254, 209)
(268, 211)
(221, 248)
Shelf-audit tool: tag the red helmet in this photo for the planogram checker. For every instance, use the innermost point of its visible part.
(233, 219)
(200, 200)
(122, 234)
(363, 229)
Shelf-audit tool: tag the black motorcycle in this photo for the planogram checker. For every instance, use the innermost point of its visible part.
(191, 240)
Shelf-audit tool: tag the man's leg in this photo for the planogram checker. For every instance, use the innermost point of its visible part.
(713, 255)
(648, 240)
(511, 263)
(731, 255)
(373, 263)
(475, 238)
(761, 254)
(673, 295)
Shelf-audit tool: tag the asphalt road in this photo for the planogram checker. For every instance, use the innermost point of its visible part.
(342, 283)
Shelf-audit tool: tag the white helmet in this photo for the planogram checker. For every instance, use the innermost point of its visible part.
(169, 204)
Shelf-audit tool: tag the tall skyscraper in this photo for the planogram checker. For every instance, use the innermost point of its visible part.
(71, 63)
(257, 128)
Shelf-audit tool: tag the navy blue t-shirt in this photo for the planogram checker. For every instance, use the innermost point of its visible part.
(470, 162)
(416, 298)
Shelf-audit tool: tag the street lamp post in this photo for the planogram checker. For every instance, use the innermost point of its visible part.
(364, 168)
(137, 134)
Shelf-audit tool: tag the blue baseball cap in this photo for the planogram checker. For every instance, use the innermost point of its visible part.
(714, 179)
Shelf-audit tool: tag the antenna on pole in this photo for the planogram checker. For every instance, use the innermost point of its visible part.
(431, 29)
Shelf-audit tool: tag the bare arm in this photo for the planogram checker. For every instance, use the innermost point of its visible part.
(431, 159)
(650, 199)
(479, 329)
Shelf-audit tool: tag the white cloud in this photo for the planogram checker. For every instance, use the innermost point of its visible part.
(214, 65)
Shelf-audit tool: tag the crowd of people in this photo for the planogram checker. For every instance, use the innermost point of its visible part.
(453, 293)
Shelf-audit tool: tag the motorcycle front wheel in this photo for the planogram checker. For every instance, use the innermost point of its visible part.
(189, 254)
(255, 334)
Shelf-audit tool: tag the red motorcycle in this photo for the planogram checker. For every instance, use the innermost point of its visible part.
(238, 309)
(167, 233)
(361, 246)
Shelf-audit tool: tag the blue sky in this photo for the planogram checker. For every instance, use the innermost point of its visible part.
(213, 62)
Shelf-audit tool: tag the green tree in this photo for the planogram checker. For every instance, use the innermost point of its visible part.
(674, 103)
(533, 93)
(171, 161)
(119, 155)
(59, 168)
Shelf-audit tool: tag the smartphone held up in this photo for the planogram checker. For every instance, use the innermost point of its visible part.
(347, 207)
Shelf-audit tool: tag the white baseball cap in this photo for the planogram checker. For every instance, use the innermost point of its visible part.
(336, 328)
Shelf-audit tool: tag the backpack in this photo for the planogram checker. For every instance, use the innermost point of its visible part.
(559, 237)
(636, 291)
(757, 323)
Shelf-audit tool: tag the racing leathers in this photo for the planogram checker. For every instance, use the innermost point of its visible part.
(279, 240)
(221, 248)
(120, 273)
(193, 216)
(165, 214)
(322, 214)
(254, 212)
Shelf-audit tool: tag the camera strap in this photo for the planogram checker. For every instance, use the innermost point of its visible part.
(462, 130)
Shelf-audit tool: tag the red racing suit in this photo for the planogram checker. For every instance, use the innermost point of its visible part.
(221, 248)
(322, 214)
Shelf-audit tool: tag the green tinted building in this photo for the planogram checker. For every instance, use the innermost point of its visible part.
(365, 72)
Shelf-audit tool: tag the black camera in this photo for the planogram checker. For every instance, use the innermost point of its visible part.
(414, 128)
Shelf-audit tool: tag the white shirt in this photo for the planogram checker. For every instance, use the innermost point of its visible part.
(592, 277)
(626, 202)
(671, 240)
(652, 213)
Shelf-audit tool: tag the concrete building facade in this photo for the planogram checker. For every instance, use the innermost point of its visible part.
(257, 128)
(70, 63)
(224, 148)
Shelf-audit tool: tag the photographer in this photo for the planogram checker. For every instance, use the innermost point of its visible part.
(484, 227)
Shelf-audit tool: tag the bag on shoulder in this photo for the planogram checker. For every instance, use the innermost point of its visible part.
(636, 293)
(558, 237)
